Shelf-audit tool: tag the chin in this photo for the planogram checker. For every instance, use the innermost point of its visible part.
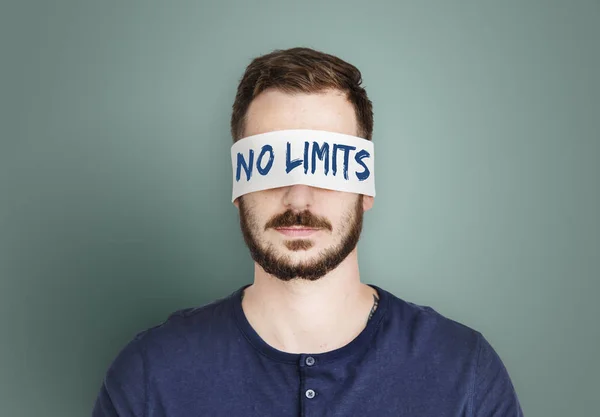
(301, 256)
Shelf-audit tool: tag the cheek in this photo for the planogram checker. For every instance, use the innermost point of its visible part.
(259, 221)
(346, 216)
(258, 218)
(338, 221)
(263, 203)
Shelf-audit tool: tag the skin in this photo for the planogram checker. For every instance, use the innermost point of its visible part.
(301, 315)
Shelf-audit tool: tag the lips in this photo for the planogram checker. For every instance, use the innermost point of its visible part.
(296, 231)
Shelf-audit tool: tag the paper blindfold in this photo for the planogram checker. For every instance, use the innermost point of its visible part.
(317, 158)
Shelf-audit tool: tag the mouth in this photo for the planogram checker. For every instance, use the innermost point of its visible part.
(297, 231)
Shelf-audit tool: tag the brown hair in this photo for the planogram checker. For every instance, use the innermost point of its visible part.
(301, 70)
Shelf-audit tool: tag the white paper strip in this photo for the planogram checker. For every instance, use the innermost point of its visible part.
(312, 157)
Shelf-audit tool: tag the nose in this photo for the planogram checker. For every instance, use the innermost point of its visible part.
(298, 197)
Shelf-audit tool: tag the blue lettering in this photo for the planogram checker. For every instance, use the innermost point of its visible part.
(322, 153)
(358, 158)
(289, 165)
(241, 163)
(306, 145)
(265, 170)
(346, 149)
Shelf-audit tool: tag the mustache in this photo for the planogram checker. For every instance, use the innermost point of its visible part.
(304, 218)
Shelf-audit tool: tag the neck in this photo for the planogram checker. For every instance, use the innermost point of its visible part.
(310, 316)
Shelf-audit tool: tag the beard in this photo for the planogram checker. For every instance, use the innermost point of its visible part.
(281, 266)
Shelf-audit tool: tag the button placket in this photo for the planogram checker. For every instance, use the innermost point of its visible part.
(306, 363)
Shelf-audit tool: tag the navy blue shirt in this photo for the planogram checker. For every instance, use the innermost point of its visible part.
(208, 361)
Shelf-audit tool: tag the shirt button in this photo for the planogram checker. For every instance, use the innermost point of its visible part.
(310, 393)
(310, 361)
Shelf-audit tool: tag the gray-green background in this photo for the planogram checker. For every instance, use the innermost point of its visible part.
(115, 176)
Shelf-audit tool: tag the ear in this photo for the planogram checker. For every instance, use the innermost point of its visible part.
(368, 202)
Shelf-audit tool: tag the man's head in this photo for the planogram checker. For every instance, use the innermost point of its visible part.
(300, 231)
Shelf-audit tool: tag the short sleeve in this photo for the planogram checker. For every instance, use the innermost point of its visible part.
(122, 393)
(493, 392)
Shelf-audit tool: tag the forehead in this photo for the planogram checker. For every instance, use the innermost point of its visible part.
(276, 110)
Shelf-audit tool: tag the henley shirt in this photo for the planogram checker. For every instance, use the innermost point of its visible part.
(409, 361)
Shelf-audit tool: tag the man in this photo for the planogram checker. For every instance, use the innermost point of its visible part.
(307, 337)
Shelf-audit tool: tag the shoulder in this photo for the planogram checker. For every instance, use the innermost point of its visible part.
(420, 334)
(428, 336)
(179, 337)
(424, 324)
(190, 326)
(170, 345)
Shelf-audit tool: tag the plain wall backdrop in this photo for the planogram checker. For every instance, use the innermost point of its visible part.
(115, 176)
